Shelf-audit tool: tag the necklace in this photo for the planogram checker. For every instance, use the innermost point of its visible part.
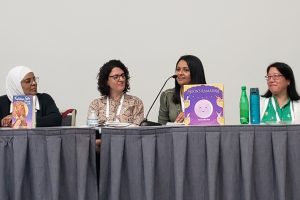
(119, 108)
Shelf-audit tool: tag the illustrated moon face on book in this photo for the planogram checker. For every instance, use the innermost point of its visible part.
(203, 108)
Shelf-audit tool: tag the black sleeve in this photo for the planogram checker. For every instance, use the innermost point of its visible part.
(4, 107)
(49, 114)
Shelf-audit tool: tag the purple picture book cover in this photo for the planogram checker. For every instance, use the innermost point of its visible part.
(23, 111)
(204, 104)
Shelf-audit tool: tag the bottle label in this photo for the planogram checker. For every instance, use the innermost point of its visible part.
(92, 122)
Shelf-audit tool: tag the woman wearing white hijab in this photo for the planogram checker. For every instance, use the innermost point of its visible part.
(20, 80)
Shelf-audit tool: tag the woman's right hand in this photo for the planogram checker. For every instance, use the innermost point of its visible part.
(6, 121)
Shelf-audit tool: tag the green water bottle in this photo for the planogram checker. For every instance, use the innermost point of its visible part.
(244, 107)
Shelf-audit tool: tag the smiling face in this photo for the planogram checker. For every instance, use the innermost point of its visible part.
(116, 80)
(183, 73)
(29, 84)
(277, 83)
(203, 108)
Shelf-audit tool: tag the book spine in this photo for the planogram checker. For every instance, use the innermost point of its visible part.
(34, 112)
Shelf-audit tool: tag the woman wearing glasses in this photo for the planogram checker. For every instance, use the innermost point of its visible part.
(21, 80)
(114, 105)
(281, 101)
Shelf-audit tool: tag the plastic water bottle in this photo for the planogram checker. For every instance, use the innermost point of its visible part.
(92, 120)
(244, 107)
(254, 106)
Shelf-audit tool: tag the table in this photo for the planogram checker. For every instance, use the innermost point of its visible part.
(48, 163)
(221, 162)
(217, 162)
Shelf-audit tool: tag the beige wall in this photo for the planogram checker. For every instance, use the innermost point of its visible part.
(65, 42)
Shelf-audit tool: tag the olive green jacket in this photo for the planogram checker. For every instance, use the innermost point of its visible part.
(168, 110)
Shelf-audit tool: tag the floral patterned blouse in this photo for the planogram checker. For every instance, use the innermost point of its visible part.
(132, 110)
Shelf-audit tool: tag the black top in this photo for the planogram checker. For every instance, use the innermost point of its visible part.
(48, 115)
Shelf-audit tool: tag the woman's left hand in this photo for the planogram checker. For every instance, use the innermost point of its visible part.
(180, 118)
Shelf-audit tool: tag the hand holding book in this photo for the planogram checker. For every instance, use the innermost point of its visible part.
(180, 118)
(6, 121)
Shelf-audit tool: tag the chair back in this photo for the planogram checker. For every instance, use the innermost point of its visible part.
(68, 117)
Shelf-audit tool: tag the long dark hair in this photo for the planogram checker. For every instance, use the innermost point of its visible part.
(104, 72)
(288, 73)
(196, 71)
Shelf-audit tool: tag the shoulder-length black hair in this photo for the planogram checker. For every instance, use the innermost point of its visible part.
(196, 71)
(103, 75)
(288, 73)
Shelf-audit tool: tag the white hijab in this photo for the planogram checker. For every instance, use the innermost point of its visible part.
(13, 81)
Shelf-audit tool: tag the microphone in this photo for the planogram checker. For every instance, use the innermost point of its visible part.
(145, 122)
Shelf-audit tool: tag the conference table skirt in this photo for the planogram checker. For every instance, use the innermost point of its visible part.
(221, 162)
(48, 164)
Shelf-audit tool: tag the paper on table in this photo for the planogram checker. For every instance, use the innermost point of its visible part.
(117, 124)
(174, 124)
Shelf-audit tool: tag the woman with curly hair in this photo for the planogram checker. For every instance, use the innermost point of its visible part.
(114, 105)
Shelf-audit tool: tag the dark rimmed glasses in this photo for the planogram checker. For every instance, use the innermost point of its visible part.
(118, 76)
(275, 77)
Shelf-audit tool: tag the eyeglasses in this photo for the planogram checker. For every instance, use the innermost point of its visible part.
(31, 80)
(118, 76)
(274, 76)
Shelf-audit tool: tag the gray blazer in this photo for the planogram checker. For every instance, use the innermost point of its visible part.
(168, 110)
